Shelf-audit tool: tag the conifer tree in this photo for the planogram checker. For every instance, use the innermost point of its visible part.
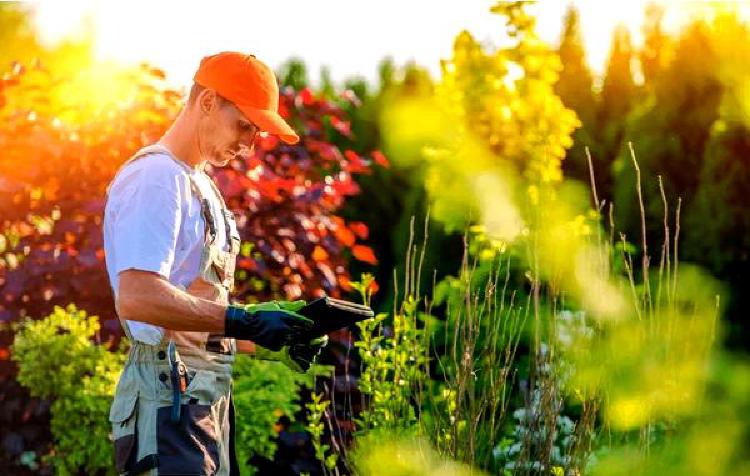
(653, 54)
(294, 73)
(717, 218)
(617, 98)
(574, 87)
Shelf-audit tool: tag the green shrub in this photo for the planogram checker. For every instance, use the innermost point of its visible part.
(58, 359)
(263, 392)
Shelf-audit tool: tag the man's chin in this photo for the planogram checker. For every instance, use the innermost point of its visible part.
(220, 161)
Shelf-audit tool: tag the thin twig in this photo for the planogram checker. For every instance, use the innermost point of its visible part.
(593, 182)
(629, 269)
(675, 248)
(664, 259)
(407, 289)
(646, 286)
(424, 247)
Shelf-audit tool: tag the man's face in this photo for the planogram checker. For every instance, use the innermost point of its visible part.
(223, 131)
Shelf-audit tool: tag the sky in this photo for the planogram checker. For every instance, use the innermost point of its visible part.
(349, 36)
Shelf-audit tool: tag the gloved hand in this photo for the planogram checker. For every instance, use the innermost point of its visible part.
(267, 324)
(297, 357)
(293, 306)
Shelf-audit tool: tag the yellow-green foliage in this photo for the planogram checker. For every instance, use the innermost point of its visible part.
(316, 412)
(493, 120)
(393, 368)
(655, 367)
(711, 441)
(494, 135)
(57, 359)
(393, 453)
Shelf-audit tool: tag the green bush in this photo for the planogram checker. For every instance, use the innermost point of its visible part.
(263, 392)
(58, 359)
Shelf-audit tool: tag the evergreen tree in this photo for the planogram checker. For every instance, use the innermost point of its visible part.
(653, 55)
(618, 89)
(574, 87)
(689, 96)
(618, 96)
(358, 85)
(327, 87)
(717, 220)
(386, 73)
(670, 130)
(293, 73)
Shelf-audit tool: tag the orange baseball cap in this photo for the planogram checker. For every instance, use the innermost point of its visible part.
(250, 85)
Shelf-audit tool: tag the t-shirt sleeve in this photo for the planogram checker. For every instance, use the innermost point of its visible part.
(146, 217)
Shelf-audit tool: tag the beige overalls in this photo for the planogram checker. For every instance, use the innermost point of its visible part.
(146, 440)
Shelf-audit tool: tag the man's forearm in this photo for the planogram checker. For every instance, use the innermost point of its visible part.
(147, 297)
(245, 347)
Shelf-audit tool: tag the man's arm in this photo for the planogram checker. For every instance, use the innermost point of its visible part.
(148, 297)
(245, 347)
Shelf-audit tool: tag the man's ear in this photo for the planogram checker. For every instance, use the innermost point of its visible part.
(208, 100)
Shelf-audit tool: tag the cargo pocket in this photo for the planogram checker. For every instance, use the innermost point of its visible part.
(190, 447)
(122, 416)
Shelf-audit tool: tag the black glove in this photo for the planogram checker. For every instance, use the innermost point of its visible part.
(297, 357)
(271, 328)
(304, 354)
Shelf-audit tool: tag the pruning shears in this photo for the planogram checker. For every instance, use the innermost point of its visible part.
(178, 375)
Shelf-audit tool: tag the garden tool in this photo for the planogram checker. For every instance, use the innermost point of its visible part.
(329, 314)
(178, 375)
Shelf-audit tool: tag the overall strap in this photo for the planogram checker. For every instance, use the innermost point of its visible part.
(233, 239)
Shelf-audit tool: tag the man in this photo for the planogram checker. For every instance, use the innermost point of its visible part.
(170, 245)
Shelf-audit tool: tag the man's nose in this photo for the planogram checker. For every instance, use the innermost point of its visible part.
(248, 140)
(245, 149)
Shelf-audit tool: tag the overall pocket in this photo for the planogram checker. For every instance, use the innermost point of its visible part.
(190, 446)
(122, 416)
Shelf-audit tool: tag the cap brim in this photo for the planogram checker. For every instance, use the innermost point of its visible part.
(270, 122)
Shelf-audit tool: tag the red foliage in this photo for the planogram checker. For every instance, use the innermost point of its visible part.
(364, 253)
(380, 159)
(56, 162)
(360, 229)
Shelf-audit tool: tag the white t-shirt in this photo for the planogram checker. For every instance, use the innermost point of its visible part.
(153, 222)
